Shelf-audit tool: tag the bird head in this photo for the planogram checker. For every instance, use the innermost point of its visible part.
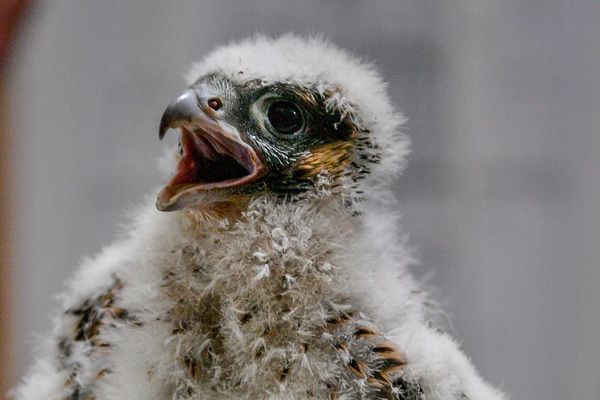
(280, 117)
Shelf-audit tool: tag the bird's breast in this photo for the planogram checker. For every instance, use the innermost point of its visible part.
(252, 305)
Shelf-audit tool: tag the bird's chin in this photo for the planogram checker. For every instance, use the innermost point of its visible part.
(213, 162)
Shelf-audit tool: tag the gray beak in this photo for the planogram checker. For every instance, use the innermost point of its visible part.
(185, 109)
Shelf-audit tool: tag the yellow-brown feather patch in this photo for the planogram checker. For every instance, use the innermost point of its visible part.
(332, 158)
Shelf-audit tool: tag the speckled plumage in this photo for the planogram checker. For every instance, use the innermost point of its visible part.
(303, 294)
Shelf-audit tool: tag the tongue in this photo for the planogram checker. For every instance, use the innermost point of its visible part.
(203, 162)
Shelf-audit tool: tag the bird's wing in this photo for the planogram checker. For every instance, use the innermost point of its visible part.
(74, 357)
(372, 359)
(426, 364)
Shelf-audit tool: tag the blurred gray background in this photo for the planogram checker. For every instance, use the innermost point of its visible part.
(501, 197)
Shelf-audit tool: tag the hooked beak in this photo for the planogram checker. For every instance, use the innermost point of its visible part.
(212, 154)
(185, 109)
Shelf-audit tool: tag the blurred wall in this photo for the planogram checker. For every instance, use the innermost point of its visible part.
(501, 196)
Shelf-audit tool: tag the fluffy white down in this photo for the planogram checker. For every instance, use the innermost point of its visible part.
(325, 254)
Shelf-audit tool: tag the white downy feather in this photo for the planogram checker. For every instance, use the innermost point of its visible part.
(174, 270)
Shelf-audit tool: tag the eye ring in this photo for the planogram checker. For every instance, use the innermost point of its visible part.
(285, 117)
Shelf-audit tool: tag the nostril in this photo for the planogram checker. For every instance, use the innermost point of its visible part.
(215, 103)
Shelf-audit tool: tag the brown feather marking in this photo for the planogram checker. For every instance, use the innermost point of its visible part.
(340, 319)
(365, 332)
(193, 367)
(358, 368)
(332, 395)
(388, 352)
(284, 372)
(382, 369)
(376, 383)
(332, 158)
(92, 314)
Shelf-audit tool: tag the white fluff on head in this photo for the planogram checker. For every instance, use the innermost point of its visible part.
(262, 289)
(359, 90)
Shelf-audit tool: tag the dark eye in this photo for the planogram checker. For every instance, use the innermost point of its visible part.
(285, 117)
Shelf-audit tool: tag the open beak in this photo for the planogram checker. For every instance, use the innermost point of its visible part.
(211, 154)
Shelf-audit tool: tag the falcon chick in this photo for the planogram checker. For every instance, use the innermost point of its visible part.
(279, 271)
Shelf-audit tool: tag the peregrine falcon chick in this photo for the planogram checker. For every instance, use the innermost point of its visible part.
(274, 267)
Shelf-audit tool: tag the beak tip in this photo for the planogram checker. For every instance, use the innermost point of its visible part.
(184, 109)
(165, 124)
